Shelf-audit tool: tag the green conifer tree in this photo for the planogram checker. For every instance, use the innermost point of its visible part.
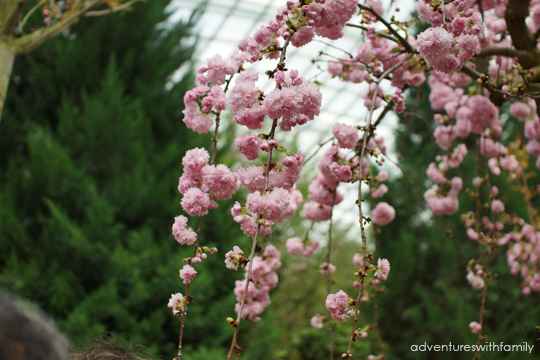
(89, 165)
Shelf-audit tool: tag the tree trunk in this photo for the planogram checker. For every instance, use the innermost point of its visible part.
(7, 56)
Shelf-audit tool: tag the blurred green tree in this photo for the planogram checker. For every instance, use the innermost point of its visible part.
(89, 162)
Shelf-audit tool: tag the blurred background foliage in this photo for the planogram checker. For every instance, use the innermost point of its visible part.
(91, 143)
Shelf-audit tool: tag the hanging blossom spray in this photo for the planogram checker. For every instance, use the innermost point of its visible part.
(468, 99)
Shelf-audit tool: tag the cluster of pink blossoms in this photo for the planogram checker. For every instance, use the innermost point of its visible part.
(523, 254)
(338, 305)
(264, 278)
(201, 183)
(448, 48)
(466, 114)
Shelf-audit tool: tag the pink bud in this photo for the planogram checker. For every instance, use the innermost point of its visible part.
(265, 147)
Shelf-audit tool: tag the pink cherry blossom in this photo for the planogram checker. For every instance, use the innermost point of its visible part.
(338, 304)
(475, 327)
(174, 301)
(346, 135)
(383, 269)
(316, 321)
(187, 274)
(195, 202)
(185, 236)
(383, 214)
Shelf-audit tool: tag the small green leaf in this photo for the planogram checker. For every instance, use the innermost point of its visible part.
(318, 83)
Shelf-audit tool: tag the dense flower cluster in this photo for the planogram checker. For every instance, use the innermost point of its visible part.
(338, 304)
(468, 120)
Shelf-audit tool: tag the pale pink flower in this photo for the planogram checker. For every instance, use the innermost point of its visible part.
(185, 236)
(252, 178)
(435, 175)
(383, 214)
(311, 248)
(195, 202)
(316, 321)
(346, 135)
(295, 246)
(358, 260)
(497, 206)
(383, 269)
(317, 212)
(327, 269)
(187, 274)
(337, 304)
(380, 191)
(195, 120)
(232, 258)
(174, 301)
(476, 282)
(475, 327)
(302, 36)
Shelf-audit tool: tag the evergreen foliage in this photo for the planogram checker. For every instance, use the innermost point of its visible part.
(91, 150)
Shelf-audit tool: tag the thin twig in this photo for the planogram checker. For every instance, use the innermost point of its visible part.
(25, 19)
(329, 279)
(316, 151)
(335, 47)
(188, 296)
(376, 300)
(234, 341)
(212, 162)
(111, 10)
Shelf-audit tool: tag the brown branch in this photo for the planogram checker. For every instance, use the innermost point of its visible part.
(527, 58)
(111, 10)
(29, 42)
(515, 15)
(16, 9)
